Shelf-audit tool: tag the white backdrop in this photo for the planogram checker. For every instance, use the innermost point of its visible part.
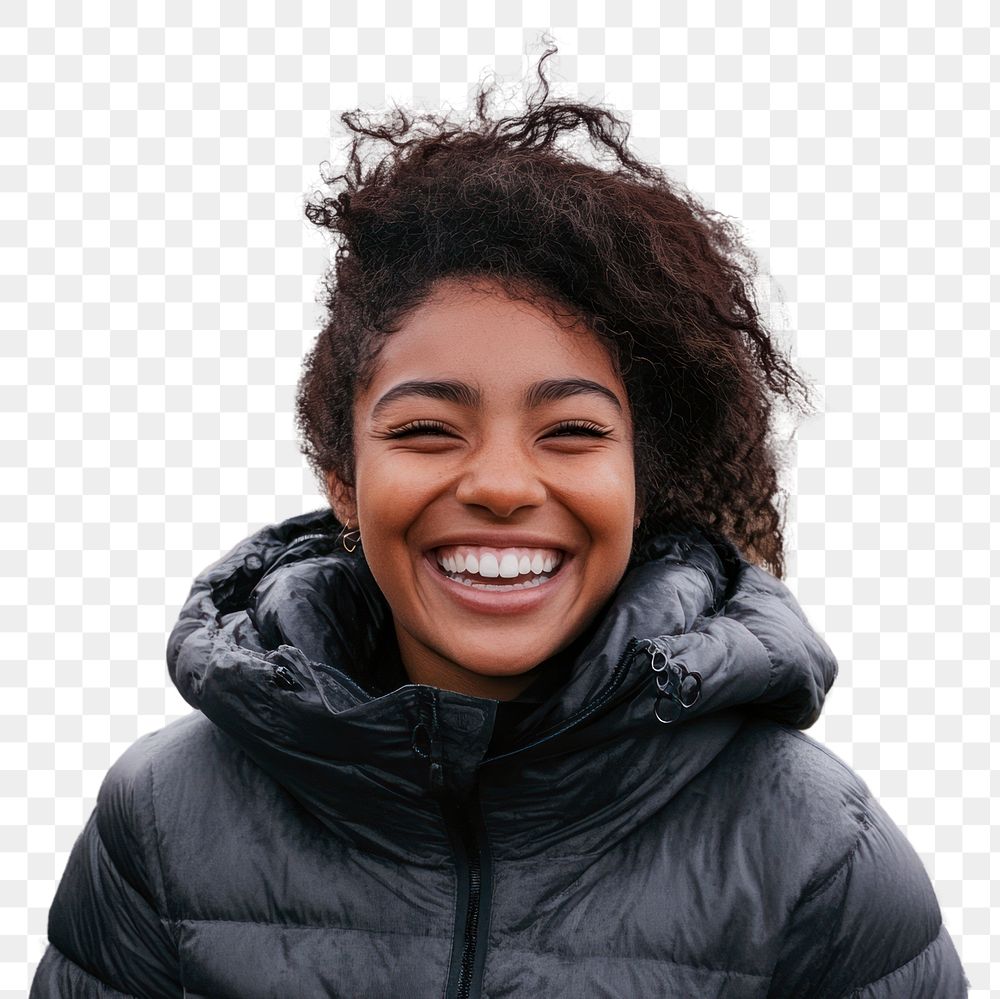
(158, 282)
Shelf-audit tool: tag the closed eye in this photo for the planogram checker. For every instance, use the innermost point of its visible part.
(433, 428)
(571, 427)
(430, 427)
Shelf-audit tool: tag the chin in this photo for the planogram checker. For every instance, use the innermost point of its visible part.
(492, 663)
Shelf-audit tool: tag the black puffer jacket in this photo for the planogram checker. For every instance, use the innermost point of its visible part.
(320, 828)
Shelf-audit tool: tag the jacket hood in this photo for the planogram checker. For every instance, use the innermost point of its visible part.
(280, 642)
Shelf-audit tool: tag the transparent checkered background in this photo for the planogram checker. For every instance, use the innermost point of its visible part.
(158, 283)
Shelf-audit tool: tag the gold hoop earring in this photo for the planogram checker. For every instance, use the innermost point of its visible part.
(343, 539)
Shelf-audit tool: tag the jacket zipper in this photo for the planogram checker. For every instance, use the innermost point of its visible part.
(472, 853)
(473, 857)
(471, 920)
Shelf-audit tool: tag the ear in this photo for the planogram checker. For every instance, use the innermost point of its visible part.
(342, 499)
(640, 509)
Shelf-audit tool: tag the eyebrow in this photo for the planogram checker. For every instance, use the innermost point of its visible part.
(462, 394)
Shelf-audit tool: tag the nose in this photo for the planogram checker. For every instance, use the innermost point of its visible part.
(501, 478)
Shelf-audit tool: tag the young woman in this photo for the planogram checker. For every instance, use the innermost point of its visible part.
(519, 714)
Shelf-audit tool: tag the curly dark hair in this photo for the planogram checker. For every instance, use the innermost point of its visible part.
(663, 281)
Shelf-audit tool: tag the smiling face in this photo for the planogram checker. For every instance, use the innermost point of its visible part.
(494, 486)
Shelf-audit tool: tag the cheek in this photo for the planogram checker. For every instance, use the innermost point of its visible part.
(389, 503)
(388, 493)
(607, 494)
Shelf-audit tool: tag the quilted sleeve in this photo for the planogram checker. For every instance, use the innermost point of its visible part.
(870, 928)
(108, 937)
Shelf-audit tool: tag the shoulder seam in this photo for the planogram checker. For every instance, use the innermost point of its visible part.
(813, 890)
(103, 846)
(171, 925)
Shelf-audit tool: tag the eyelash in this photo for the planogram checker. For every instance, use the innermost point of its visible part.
(581, 427)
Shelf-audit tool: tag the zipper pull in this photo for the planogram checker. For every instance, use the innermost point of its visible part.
(426, 743)
(678, 688)
(282, 675)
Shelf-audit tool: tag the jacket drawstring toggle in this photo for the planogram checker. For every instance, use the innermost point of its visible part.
(678, 688)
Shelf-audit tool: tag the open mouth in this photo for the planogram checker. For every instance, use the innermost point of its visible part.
(506, 569)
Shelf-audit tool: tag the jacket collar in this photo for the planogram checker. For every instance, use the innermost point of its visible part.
(282, 643)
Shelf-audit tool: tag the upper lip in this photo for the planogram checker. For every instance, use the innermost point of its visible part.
(499, 539)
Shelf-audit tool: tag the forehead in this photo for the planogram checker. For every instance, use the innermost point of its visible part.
(478, 332)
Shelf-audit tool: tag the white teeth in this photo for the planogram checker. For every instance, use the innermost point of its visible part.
(508, 566)
(506, 563)
(489, 568)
